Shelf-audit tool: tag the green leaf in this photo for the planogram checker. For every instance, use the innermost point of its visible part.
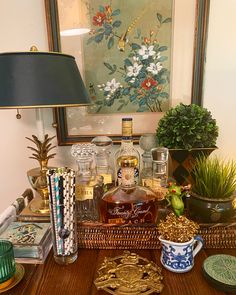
(98, 110)
(106, 64)
(162, 58)
(135, 46)
(159, 16)
(164, 95)
(99, 102)
(90, 40)
(116, 24)
(110, 42)
(126, 91)
(101, 8)
(120, 107)
(162, 48)
(167, 20)
(128, 62)
(115, 12)
(98, 38)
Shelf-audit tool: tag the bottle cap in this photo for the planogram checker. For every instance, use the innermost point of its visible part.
(127, 161)
(127, 127)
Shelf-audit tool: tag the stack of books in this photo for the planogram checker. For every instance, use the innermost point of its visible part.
(31, 241)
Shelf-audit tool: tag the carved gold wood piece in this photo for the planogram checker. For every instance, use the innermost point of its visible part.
(129, 274)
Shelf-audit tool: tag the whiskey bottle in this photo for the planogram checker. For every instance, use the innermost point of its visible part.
(127, 150)
(129, 203)
(88, 185)
(102, 160)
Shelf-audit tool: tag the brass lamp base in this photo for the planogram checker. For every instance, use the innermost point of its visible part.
(37, 205)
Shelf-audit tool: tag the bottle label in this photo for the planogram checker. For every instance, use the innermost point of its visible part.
(133, 213)
(155, 185)
(107, 178)
(115, 220)
(83, 192)
(135, 175)
(127, 176)
(151, 182)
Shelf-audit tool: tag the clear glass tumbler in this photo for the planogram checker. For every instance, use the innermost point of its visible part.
(7, 263)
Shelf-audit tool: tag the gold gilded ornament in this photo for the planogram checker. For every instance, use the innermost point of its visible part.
(129, 274)
(177, 229)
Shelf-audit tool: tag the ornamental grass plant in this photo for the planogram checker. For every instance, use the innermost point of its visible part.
(214, 178)
(187, 127)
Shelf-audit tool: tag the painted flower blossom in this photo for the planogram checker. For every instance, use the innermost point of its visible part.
(149, 83)
(134, 70)
(145, 51)
(99, 19)
(154, 68)
(108, 9)
(112, 86)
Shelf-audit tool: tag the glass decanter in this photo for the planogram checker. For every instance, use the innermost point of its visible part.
(159, 171)
(102, 159)
(147, 142)
(88, 185)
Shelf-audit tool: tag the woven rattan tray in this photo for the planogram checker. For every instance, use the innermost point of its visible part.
(98, 236)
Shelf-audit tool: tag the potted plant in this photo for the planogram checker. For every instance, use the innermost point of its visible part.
(187, 131)
(178, 235)
(213, 190)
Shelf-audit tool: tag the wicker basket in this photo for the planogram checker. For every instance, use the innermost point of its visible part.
(98, 236)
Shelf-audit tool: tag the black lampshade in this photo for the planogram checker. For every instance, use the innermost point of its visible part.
(40, 79)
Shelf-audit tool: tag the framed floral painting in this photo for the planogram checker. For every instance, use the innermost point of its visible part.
(127, 60)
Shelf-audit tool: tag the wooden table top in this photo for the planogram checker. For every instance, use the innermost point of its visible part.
(77, 278)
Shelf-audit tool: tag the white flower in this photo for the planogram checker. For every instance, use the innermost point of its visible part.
(112, 86)
(132, 80)
(135, 58)
(145, 51)
(134, 70)
(158, 55)
(154, 68)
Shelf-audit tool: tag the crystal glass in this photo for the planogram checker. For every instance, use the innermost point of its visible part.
(88, 184)
(102, 159)
(61, 186)
(7, 262)
(154, 173)
(160, 164)
(147, 142)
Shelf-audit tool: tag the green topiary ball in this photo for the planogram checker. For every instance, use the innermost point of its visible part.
(187, 127)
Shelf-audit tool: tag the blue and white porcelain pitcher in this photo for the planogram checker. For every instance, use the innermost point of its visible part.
(179, 257)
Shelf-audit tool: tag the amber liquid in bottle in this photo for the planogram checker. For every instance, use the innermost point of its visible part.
(128, 203)
(127, 149)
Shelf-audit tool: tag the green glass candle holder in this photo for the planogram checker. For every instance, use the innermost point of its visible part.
(7, 261)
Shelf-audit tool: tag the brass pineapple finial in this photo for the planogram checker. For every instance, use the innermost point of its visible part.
(41, 152)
